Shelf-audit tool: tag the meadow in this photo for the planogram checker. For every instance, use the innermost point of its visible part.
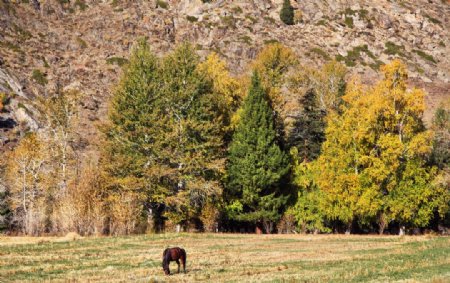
(227, 257)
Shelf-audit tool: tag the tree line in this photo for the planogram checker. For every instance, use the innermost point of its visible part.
(187, 146)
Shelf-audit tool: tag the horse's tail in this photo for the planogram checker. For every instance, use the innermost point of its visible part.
(183, 253)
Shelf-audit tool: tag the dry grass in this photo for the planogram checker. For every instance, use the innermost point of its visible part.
(227, 257)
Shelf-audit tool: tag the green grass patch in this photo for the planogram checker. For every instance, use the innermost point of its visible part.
(349, 22)
(162, 4)
(251, 19)
(39, 77)
(271, 41)
(191, 19)
(81, 4)
(228, 21)
(425, 56)
(321, 53)
(81, 42)
(433, 20)
(354, 57)
(119, 61)
(22, 34)
(237, 10)
(394, 49)
(246, 39)
(269, 19)
(231, 258)
(10, 46)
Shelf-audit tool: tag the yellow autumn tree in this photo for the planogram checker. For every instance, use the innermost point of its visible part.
(228, 89)
(373, 161)
(272, 64)
(25, 176)
(327, 83)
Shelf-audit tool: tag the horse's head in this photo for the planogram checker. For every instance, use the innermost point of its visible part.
(166, 261)
(166, 269)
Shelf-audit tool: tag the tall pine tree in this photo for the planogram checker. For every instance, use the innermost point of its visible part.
(287, 13)
(256, 163)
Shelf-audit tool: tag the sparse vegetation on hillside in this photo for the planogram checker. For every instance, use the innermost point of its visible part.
(39, 77)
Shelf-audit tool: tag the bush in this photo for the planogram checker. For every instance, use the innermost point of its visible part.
(39, 77)
(393, 49)
(349, 22)
(117, 61)
(162, 4)
(192, 19)
(287, 13)
(425, 56)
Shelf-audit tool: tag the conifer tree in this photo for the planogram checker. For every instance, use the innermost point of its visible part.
(308, 132)
(129, 137)
(287, 13)
(190, 145)
(256, 163)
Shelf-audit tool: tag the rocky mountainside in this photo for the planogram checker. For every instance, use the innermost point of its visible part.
(82, 44)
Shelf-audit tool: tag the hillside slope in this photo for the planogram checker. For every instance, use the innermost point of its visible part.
(81, 44)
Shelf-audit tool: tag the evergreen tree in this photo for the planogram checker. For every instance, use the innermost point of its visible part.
(256, 163)
(308, 132)
(441, 144)
(287, 13)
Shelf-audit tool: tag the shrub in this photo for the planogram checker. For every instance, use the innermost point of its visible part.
(117, 61)
(320, 52)
(424, 55)
(81, 42)
(192, 19)
(393, 49)
(287, 13)
(81, 4)
(162, 4)
(39, 77)
(349, 22)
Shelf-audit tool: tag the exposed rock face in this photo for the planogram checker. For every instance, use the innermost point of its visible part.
(76, 43)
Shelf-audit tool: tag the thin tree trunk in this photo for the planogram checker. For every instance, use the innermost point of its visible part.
(401, 231)
(348, 231)
(382, 223)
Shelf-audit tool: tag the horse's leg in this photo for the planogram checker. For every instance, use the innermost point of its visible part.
(178, 262)
(183, 261)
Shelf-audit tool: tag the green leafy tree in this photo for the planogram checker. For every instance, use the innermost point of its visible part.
(256, 163)
(287, 13)
(165, 138)
(191, 142)
(308, 209)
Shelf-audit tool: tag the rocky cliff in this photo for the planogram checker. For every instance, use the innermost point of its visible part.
(82, 44)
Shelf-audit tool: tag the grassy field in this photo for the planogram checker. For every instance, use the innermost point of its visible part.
(228, 257)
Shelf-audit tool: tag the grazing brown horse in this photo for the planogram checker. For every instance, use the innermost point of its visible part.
(173, 254)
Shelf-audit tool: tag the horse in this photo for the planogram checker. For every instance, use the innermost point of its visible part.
(173, 254)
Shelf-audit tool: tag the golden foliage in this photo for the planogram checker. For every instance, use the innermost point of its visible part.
(272, 63)
(25, 175)
(373, 159)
